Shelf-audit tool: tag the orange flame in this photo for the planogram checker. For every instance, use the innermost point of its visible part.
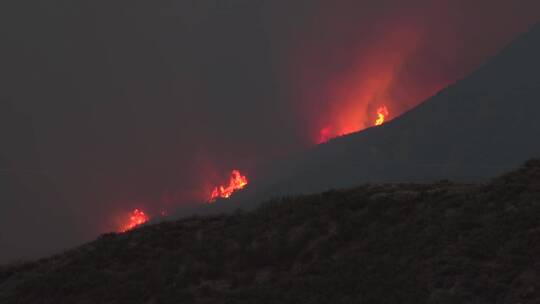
(382, 114)
(328, 132)
(237, 181)
(137, 218)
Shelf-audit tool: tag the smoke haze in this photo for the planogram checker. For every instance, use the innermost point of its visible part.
(107, 107)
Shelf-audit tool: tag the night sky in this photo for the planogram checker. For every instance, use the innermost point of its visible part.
(110, 106)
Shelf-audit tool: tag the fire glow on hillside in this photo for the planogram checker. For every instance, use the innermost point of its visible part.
(376, 85)
(327, 132)
(237, 181)
(382, 114)
(136, 218)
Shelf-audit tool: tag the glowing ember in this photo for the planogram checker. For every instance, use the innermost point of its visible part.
(236, 182)
(328, 133)
(382, 114)
(136, 218)
(325, 135)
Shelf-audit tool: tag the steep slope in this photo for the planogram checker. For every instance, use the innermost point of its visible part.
(474, 129)
(378, 243)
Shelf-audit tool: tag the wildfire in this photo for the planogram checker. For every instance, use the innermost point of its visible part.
(328, 132)
(325, 135)
(137, 218)
(382, 114)
(237, 181)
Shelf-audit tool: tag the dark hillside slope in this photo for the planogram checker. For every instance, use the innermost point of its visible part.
(478, 128)
(377, 243)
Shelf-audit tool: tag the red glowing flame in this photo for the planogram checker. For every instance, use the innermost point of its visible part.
(328, 133)
(137, 218)
(325, 135)
(237, 181)
(382, 114)
(375, 76)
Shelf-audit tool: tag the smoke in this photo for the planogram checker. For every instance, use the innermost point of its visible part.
(340, 60)
(146, 105)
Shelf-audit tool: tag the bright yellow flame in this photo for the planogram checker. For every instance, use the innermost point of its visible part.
(237, 181)
(382, 114)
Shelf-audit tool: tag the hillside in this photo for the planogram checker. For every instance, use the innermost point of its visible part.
(477, 128)
(375, 243)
